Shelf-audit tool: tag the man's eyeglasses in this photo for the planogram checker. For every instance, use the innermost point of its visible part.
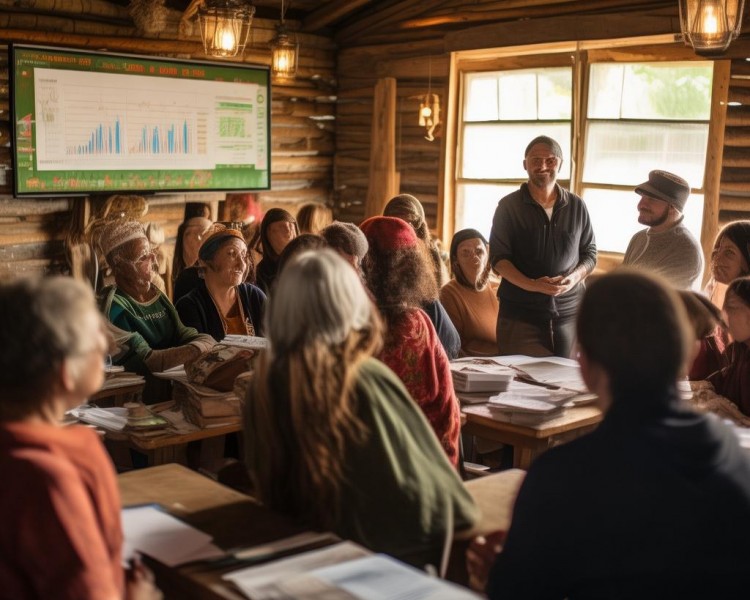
(147, 257)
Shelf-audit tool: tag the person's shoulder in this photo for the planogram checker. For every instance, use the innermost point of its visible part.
(512, 199)
(374, 374)
(252, 290)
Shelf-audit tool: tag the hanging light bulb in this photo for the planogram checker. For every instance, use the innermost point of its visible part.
(225, 26)
(709, 26)
(429, 107)
(285, 51)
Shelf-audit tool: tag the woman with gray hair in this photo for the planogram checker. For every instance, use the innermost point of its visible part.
(333, 437)
(62, 536)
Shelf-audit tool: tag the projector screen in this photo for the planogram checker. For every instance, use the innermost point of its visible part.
(86, 122)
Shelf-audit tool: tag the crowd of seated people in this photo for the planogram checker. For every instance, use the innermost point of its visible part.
(352, 424)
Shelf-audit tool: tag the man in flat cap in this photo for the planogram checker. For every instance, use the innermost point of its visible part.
(666, 247)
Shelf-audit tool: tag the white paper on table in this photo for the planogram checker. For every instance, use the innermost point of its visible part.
(149, 530)
(264, 582)
(381, 577)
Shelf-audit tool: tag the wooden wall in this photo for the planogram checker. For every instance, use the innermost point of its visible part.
(32, 232)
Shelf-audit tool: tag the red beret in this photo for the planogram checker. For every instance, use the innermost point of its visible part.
(389, 233)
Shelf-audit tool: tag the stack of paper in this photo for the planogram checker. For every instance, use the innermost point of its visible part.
(249, 342)
(344, 570)
(149, 530)
(480, 375)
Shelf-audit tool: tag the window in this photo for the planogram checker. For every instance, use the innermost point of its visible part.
(503, 111)
(643, 116)
(637, 116)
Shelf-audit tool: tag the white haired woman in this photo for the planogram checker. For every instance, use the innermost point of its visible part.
(62, 536)
(333, 437)
(158, 339)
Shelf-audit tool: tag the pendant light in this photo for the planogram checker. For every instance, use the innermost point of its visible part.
(285, 51)
(225, 26)
(709, 26)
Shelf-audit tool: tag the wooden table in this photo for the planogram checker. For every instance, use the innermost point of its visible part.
(232, 518)
(168, 447)
(529, 441)
(118, 396)
(236, 520)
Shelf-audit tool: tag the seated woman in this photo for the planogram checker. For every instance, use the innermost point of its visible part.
(158, 340)
(730, 259)
(332, 436)
(62, 536)
(468, 298)
(277, 229)
(303, 242)
(397, 273)
(348, 240)
(313, 217)
(733, 381)
(190, 236)
(705, 320)
(407, 208)
(222, 303)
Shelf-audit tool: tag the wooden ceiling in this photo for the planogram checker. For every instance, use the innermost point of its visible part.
(358, 22)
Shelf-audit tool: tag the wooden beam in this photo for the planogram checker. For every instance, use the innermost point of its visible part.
(559, 29)
(714, 156)
(384, 180)
(521, 9)
(330, 12)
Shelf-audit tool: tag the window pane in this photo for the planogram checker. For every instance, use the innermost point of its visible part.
(496, 151)
(614, 216)
(674, 90)
(624, 153)
(555, 93)
(476, 204)
(522, 95)
(480, 99)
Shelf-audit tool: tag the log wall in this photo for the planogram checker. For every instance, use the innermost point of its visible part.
(33, 232)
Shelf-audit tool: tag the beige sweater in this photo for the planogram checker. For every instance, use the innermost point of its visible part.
(475, 316)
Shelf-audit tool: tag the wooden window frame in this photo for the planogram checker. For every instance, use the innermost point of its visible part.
(581, 55)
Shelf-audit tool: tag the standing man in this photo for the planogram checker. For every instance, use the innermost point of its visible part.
(666, 247)
(542, 245)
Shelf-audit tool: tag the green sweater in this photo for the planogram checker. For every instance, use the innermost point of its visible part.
(399, 485)
(155, 325)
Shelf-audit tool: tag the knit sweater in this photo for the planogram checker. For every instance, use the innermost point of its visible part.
(674, 254)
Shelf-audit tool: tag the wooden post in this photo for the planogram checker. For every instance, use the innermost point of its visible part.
(714, 158)
(384, 180)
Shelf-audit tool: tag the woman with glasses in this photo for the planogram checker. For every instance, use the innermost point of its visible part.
(469, 298)
(222, 303)
(158, 339)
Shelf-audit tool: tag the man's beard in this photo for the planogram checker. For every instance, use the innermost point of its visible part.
(655, 222)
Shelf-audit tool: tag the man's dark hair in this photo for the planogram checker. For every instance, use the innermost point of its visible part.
(547, 141)
(635, 327)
